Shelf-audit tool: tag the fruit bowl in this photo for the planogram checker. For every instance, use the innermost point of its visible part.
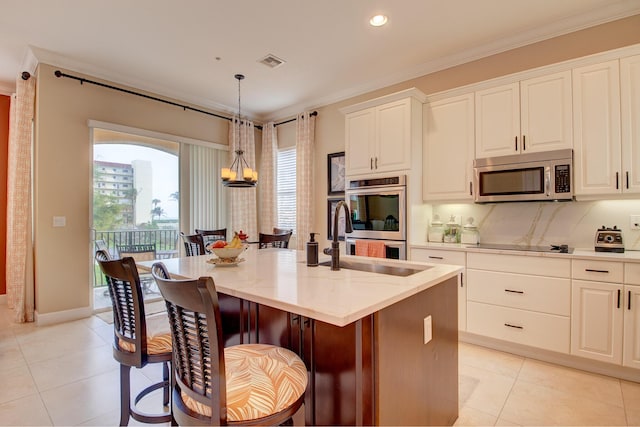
(227, 253)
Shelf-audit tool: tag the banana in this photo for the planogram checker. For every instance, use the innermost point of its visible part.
(235, 242)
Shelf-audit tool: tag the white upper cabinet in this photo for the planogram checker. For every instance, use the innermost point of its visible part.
(596, 124)
(380, 136)
(630, 91)
(447, 153)
(524, 117)
(360, 141)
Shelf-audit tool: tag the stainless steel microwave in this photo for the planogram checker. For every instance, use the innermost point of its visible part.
(540, 176)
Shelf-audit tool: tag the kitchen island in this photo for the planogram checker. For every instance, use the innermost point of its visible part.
(361, 334)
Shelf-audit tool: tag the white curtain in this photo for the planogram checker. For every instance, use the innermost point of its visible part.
(242, 201)
(305, 141)
(208, 205)
(267, 182)
(19, 262)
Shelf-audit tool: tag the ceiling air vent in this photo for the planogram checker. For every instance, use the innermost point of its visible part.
(271, 61)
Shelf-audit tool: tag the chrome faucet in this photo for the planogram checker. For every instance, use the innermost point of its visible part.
(334, 250)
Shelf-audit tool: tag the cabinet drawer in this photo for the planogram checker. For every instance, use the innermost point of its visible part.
(439, 257)
(632, 273)
(543, 294)
(601, 271)
(540, 330)
(535, 265)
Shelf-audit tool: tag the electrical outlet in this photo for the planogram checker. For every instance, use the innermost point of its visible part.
(634, 222)
(428, 334)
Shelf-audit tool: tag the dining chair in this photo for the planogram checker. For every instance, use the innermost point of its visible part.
(273, 240)
(209, 236)
(277, 230)
(140, 252)
(193, 244)
(246, 384)
(138, 340)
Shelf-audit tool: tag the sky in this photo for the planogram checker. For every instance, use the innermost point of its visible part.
(164, 169)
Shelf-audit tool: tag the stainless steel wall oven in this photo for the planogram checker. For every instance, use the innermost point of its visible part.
(378, 212)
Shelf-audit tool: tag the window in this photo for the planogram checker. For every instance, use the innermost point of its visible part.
(286, 188)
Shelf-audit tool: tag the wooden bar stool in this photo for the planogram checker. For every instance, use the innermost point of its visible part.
(247, 384)
(138, 340)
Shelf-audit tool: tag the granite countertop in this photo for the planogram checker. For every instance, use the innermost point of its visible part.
(280, 278)
(578, 253)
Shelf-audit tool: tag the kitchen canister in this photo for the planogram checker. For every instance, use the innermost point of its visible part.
(452, 231)
(470, 234)
(436, 230)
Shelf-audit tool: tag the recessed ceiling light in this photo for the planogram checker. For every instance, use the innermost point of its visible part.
(378, 20)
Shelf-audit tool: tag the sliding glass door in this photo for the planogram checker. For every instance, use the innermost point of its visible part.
(136, 201)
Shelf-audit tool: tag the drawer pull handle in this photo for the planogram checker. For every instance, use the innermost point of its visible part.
(513, 326)
(435, 257)
(596, 271)
(514, 292)
(629, 301)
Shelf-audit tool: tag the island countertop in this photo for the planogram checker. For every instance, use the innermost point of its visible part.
(281, 279)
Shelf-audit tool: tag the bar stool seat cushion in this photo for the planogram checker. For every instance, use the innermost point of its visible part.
(261, 380)
(158, 336)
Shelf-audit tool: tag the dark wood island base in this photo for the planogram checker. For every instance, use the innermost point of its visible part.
(375, 371)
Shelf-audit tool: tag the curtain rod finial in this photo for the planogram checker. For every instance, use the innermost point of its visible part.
(25, 75)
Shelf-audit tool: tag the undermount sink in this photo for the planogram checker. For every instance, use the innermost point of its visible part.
(376, 268)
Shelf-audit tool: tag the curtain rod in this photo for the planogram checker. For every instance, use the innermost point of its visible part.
(82, 80)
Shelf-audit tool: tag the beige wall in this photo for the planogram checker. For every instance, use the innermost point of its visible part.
(63, 158)
(63, 149)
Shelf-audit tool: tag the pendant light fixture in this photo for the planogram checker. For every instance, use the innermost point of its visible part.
(239, 174)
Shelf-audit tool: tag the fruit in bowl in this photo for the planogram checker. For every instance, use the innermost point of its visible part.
(227, 253)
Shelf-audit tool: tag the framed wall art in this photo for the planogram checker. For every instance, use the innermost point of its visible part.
(335, 173)
(331, 212)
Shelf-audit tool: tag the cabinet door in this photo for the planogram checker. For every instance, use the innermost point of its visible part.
(596, 321)
(359, 143)
(452, 258)
(631, 356)
(546, 113)
(630, 92)
(393, 136)
(447, 153)
(596, 129)
(498, 121)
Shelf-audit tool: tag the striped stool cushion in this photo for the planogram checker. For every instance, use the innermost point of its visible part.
(261, 380)
(158, 336)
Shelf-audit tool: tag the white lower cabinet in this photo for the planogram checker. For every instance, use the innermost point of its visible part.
(509, 299)
(606, 312)
(596, 321)
(631, 347)
(435, 256)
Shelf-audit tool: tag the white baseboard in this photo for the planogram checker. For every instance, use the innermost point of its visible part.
(62, 316)
(567, 360)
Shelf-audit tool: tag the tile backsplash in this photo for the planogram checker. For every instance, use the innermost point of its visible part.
(537, 224)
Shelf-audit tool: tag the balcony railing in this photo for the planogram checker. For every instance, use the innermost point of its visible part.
(166, 242)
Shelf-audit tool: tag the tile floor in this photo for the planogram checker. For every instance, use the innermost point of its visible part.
(50, 379)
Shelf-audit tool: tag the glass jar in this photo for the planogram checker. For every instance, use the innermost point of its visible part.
(436, 230)
(470, 234)
(452, 231)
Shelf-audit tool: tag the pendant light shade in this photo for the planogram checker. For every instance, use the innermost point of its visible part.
(239, 174)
